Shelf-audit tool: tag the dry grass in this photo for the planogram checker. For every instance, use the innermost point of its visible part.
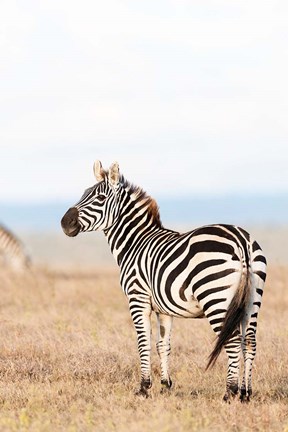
(69, 362)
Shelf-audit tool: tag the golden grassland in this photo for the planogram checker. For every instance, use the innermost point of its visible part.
(69, 361)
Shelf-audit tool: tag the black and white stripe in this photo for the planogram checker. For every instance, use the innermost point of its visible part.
(216, 271)
(12, 252)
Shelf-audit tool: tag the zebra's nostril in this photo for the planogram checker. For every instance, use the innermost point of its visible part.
(73, 222)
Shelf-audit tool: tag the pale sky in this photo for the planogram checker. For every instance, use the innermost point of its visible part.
(190, 97)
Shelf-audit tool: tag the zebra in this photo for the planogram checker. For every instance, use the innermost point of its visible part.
(12, 252)
(215, 271)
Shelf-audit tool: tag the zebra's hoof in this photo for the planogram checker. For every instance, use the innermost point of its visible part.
(142, 392)
(245, 395)
(230, 393)
(227, 397)
(166, 386)
(144, 387)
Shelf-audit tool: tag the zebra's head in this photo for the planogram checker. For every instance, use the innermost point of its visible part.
(98, 207)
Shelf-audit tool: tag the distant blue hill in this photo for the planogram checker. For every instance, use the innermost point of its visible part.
(188, 211)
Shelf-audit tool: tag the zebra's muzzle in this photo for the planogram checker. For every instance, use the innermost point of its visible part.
(70, 223)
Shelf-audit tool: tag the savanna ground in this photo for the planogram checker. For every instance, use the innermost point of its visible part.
(69, 361)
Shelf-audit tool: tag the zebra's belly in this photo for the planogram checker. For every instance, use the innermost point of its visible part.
(189, 309)
(192, 309)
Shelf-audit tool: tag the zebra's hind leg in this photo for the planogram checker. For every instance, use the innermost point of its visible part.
(249, 352)
(249, 324)
(164, 326)
(233, 350)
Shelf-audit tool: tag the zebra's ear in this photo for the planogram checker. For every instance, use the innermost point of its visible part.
(114, 175)
(99, 171)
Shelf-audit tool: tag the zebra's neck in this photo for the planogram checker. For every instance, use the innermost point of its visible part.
(138, 219)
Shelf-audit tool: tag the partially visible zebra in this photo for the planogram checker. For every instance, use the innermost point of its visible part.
(12, 252)
(216, 271)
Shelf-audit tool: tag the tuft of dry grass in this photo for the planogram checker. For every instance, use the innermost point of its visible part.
(69, 361)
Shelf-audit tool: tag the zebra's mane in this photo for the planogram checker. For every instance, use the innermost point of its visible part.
(142, 196)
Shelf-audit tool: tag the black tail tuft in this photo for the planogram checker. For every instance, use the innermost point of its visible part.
(233, 318)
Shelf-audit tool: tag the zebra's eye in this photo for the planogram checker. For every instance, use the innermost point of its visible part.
(101, 197)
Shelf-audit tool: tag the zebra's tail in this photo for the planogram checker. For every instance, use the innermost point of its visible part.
(234, 314)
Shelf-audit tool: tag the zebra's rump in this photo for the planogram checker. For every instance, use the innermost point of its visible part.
(199, 270)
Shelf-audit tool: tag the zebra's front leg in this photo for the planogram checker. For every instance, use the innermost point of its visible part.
(164, 324)
(141, 314)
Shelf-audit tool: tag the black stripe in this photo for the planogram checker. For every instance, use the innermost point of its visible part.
(261, 274)
(259, 291)
(255, 246)
(212, 277)
(215, 312)
(216, 321)
(212, 246)
(211, 291)
(260, 258)
(212, 303)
